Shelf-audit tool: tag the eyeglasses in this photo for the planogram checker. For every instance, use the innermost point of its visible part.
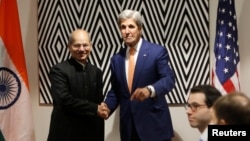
(195, 106)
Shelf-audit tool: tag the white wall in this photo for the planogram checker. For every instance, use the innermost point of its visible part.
(28, 18)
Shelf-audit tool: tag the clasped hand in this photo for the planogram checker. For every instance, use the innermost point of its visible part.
(103, 110)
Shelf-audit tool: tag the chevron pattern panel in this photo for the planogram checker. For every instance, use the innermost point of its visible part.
(180, 25)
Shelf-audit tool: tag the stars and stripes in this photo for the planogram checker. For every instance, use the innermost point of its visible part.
(226, 49)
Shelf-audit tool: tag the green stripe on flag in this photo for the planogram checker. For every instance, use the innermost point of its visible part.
(1, 136)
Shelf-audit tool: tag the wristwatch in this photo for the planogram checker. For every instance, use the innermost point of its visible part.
(150, 90)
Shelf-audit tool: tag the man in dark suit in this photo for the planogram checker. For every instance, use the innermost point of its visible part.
(144, 112)
(76, 89)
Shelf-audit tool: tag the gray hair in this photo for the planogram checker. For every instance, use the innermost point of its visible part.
(126, 14)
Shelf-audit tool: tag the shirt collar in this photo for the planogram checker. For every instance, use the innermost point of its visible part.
(137, 47)
(83, 65)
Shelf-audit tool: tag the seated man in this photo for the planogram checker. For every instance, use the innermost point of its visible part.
(201, 98)
(233, 108)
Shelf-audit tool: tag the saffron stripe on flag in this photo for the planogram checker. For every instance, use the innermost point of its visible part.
(16, 118)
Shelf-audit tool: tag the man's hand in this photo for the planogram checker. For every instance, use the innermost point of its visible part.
(103, 110)
(140, 94)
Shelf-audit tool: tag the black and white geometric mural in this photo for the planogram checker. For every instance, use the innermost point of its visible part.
(182, 26)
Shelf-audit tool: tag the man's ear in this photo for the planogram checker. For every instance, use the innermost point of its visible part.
(222, 122)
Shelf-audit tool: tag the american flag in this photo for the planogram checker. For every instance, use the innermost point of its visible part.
(225, 74)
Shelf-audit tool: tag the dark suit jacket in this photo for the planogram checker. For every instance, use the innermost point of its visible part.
(76, 94)
(151, 117)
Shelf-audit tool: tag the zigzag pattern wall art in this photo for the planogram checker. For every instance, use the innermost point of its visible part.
(180, 25)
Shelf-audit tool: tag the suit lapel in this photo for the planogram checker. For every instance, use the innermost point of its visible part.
(121, 66)
(141, 62)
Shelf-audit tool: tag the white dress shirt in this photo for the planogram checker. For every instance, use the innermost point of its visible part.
(137, 48)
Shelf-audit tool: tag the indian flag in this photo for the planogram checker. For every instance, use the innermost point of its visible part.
(16, 119)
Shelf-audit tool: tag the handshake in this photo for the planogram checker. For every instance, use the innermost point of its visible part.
(103, 110)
